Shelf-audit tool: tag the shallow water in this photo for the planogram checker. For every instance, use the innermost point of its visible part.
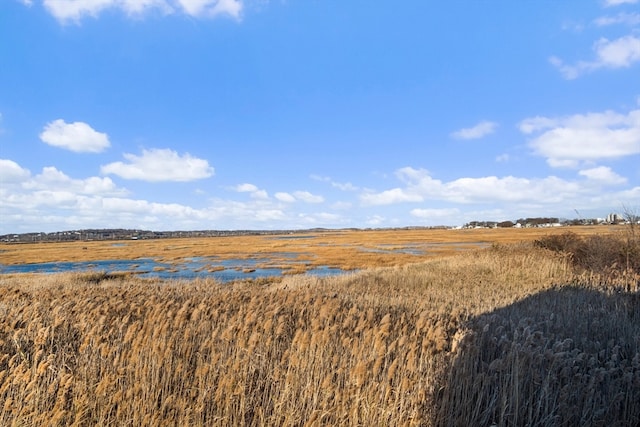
(224, 270)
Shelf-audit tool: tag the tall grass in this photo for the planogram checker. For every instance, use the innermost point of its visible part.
(484, 337)
(609, 259)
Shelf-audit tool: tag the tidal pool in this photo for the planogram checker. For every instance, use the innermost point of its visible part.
(224, 270)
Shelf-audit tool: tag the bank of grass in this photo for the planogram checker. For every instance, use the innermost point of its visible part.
(505, 336)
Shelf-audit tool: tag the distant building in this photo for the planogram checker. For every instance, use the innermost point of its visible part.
(613, 218)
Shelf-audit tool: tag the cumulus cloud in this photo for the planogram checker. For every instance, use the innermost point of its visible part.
(11, 172)
(246, 188)
(389, 197)
(211, 7)
(303, 196)
(434, 213)
(51, 179)
(565, 141)
(375, 220)
(603, 174)
(157, 165)
(307, 197)
(622, 52)
(421, 187)
(52, 200)
(76, 136)
(51, 195)
(74, 10)
(256, 193)
(343, 186)
(478, 131)
(285, 197)
(320, 218)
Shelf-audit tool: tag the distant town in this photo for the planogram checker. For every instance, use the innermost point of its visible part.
(134, 234)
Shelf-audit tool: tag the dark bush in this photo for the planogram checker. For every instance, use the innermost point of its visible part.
(603, 254)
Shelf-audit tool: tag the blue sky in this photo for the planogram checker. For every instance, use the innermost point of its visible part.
(257, 114)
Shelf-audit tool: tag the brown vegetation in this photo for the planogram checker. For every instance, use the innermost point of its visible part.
(509, 335)
(347, 249)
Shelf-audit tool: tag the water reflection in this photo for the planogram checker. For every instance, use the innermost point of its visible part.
(224, 270)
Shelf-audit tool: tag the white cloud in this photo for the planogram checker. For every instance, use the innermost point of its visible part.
(610, 3)
(212, 7)
(246, 188)
(480, 130)
(421, 187)
(565, 141)
(603, 174)
(621, 18)
(256, 193)
(54, 182)
(503, 158)
(157, 165)
(51, 196)
(260, 194)
(375, 220)
(11, 172)
(76, 136)
(285, 197)
(51, 179)
(53, 201)
(303, 196)
(320, 218)
(619, 53)
(132, 206)
(389, 197)
(307, 197)
(343, 186)
(75, 10)
(434, 213)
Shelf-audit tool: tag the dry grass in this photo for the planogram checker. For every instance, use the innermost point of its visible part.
(483, 337)
(343, 249)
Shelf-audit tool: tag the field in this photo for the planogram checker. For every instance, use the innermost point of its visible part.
(349, 249)
(517, 331)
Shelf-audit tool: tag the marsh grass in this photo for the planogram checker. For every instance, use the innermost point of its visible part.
(346, 249)
(609, 259)
(488, 336)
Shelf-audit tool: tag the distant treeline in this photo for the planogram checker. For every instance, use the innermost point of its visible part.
(127, 234)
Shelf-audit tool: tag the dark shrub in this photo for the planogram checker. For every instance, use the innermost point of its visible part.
(607, 253)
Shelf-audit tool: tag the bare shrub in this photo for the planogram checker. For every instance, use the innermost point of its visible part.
(614, 258)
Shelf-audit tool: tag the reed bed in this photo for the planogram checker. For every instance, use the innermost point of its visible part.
(346, 249)
(507, 335)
